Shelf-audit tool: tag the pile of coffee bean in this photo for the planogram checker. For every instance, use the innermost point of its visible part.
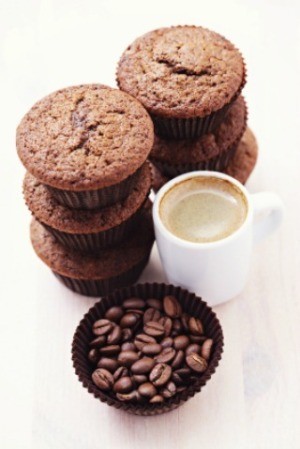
(148, 350)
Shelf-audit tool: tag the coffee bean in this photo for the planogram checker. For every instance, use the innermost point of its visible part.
(178, 359)
(128, 346)
(206, 349)
(157, 399)
(180, 388)
(177, 379)
(167, 342)
(172, 307)
(138, 312)
(110, 350)
(196, 362)
(166, 355)
(194, 347)
(167, 324)
(120, 372)
(147, 389)
(133, 396)
(142, 339)
(134, 303)
(198, 339)
(152, 349)
(94, 355)
(160, 374)
(195, 326)
(177, 326)
(169, 390)
(103, 379)
(102, 327)
(98, 341)
(143, 366)
(139, 378)
(126, 334)
(155, 303)
(183, 372)
(114, 314)
(181, 342)
(127, 358)
(154, 329)
(129, 320)
(123, 385)
(185, 321)
(115, 336)
(151, 314)
(109, 364)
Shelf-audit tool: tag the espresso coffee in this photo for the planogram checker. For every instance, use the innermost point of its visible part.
(203, 209)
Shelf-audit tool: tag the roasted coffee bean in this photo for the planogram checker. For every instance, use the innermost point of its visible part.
(115, 335)
(168, 390)
(147, 389)
(110, 350)
(109, 364)
(142, 339)
(196, 362)
(166, 355)
(157, 399)
(129, 320)
(94, 355)
(134, 303)
(98, 341)
(167, 342)
(120, 372)
(155, 303)
(138, 312)
(160, 374)
(102, 327)
(172, 307)
(126, 334)
(128, 346)
(195, 326)
(103, 379)
(180, 388)
(167, 324)
(114, 314)
(194, 347)
(133, 396)
(177, 326)
(178, 380)
(181, 342)
(178, 359)
(154, 329)
(139, 378)
(127, 358)
(206, 349)
(198, 339)
(183, 372)
(143, 366)
(151, 314)
(152, 349)
(185, 321)
(123, 385)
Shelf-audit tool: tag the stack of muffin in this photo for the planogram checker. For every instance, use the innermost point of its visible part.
(190, 80)
(87, 184)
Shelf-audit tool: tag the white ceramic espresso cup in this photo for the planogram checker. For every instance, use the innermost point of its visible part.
(217, 271)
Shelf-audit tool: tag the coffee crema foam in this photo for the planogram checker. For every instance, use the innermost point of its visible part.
(203, 209)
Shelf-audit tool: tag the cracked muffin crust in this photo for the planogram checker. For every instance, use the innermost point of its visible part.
(85, 137)
(182, 72)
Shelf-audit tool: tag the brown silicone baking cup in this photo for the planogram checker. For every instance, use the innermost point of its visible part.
(95, 199)
(190, 304)
(93, 243)
(100, 287)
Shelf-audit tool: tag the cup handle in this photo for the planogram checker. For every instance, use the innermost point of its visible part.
(270, 204)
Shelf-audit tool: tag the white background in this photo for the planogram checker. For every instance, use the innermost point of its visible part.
(253, 400)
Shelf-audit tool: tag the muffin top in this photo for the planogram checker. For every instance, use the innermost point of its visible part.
(77, 221)
(182, 72)
(109, 263)
(84, 137)
(241, 166)
(206, 147)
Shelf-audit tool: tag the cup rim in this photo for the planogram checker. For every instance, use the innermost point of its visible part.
(196, 245)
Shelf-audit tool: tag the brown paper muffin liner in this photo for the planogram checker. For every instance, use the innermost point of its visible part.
(95, 287)
(95, 199)
(190, 304)
(93, 243)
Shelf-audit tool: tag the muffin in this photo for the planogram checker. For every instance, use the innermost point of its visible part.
(88, 231)
(87, 143)
(187, 77)
(212, 151)
(96, 276)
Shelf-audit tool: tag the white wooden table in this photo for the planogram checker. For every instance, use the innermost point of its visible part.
(253, 399)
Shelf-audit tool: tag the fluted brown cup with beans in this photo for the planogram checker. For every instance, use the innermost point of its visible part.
(147, 348)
